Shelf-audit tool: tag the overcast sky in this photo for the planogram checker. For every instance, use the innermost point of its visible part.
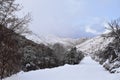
(70, 18)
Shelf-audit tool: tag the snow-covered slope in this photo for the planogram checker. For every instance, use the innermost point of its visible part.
(86, 70)
(51, 40)
(94, 44)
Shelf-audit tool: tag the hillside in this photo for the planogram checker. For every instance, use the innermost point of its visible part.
(92, 45)
(31, 55)
(51, 40)
(103, 50)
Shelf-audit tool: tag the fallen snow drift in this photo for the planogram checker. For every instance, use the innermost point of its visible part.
(88, 69)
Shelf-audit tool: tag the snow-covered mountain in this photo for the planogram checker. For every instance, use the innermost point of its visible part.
(51, 40)
(92, 45)
(85, 45)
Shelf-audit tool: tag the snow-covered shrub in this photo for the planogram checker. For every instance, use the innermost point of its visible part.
(112, 66)
(109, 56)
(38, 56)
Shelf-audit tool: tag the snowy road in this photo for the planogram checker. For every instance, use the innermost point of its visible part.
(86, 70)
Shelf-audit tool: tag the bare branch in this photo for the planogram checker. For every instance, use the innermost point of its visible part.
(9, 19)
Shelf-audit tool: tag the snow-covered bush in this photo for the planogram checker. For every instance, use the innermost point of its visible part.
(110, 55)
(38, 56)
(112, 66)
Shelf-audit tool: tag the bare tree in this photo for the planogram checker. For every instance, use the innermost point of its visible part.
(9, 19)
(10, 24)
(10, 58)
(114, 27)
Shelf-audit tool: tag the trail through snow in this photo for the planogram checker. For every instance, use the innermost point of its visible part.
(88, 69)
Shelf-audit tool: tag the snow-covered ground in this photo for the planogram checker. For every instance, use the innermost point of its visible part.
(88, 69)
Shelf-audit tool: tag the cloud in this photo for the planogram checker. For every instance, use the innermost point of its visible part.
(96, 26)
(90, 30)
(70, 17)
(53, 16)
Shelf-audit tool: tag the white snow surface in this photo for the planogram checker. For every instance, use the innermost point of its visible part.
(94, 44)
(88, 69)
